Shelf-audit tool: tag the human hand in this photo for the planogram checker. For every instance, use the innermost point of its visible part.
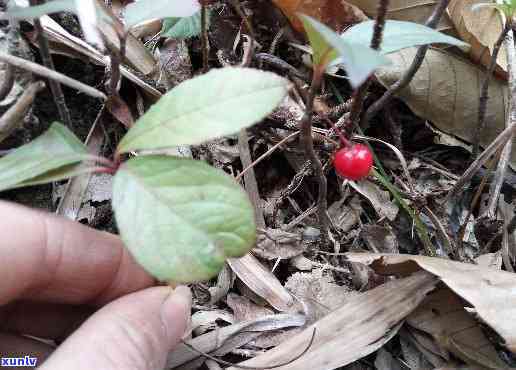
(55, 273)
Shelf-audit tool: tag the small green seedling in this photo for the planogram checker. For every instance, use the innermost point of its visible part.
(179, 217)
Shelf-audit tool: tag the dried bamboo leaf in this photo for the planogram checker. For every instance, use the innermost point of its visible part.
(446, 91)
(262, 282)
(358, 328)
(491, 292)
(407, 10)
(217, 339)
(480, 28)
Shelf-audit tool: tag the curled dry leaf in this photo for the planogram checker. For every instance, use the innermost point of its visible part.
(406, 10)
(491, 292)
(361, 326)
(446, 90)
(230, 337)
(336, 14)
(480, 28)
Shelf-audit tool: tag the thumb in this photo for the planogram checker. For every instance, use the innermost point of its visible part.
(134, 332)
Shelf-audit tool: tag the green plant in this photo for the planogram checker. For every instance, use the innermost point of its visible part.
(180, 218)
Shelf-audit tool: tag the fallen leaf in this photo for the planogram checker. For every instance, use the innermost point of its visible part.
(232, 335)
(442, 316)
(492, 293)
(319, 294)
(380, 200)
(361, 326)
(406, 10)
(446, 90)
(244, 309)
(277, 243)
(336, 14)
(480, 28)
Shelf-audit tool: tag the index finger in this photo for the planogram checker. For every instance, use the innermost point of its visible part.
(53, 259)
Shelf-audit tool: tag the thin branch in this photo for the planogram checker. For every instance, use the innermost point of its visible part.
(204, 36)
(8, 81)
(227, 363)
(376, 41)
(14, 116)
(51, 75)
(55, 86)
(496, 186)
(308, 144)
(484, 91)
(432, 22)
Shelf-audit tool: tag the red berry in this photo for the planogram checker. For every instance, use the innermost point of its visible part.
(353, 162)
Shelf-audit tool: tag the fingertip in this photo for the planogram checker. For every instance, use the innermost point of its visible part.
(175, 313)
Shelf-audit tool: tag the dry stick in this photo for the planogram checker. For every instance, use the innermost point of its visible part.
(12, 119)
(432, 22)
(496, 186)
(308, 143)
(8, 81)
(500, 141)
(359, 94)
(204, 36)
(484, 91)
(51, 75)
(249, 53)
(227, 363)
(55, 87)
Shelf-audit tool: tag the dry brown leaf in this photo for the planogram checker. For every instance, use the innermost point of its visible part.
(491, 292)
(337, 14)
(361, 326)
(480, 28)
(445, 91)
(406, 10)
(229, 337)
(244, 309)
(318, 292)
(380, 200)
(442, 315)
(277, 243)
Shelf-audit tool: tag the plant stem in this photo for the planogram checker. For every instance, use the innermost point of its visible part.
(55, 86)
(432, 22)
(204, 36)
(484, 91)
(376, 41)
(308, 144)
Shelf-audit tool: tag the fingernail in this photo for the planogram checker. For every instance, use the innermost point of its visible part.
(175, 312)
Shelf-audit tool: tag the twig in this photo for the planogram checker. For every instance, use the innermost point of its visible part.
(249, 55)
(484, 91)
(227, 363)
(116, 58)
(501, 140)
(308, 144)
(51, 75)
(251, 186)
(12, 119)
(55, 86)
(8, 81)
(377, 106)
(204, 36)
(376, 41)
(496, 186)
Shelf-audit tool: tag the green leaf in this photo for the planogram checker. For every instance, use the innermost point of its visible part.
(144, 10)
(218, 103)
(359, 60)
(36, 11)
(183, 28)
(181, 218)
(50, 157)
(399, 35)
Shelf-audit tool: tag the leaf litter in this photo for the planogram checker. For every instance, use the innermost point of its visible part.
(391, 311)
